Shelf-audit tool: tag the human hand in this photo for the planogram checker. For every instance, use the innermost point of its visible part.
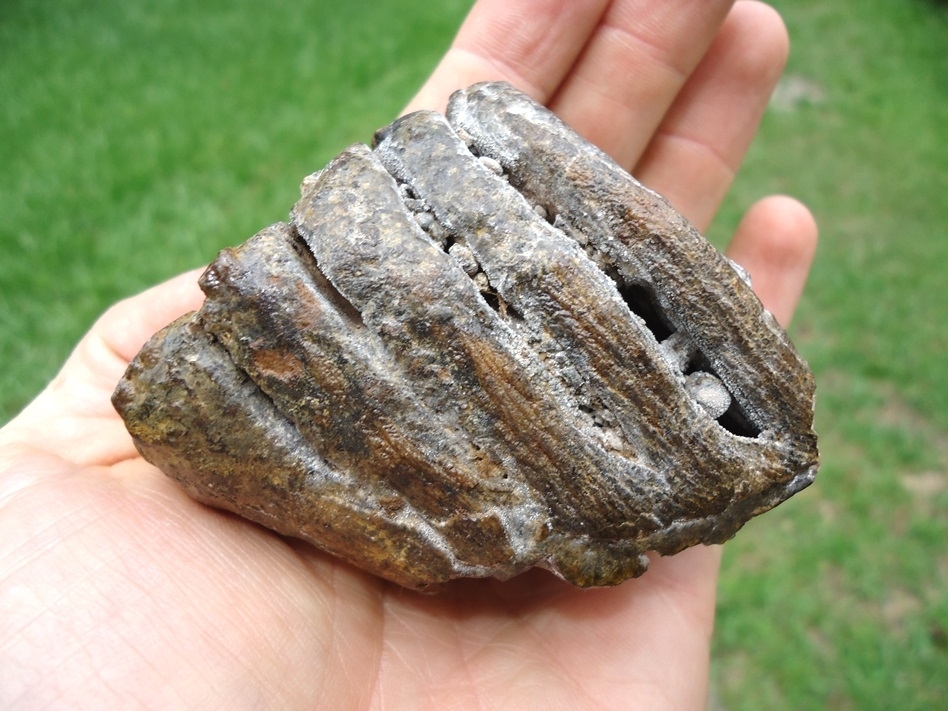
(117, 589)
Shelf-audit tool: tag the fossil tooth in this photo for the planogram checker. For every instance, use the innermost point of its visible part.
(477, 348)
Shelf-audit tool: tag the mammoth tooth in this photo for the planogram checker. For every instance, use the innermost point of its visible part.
(479, 347)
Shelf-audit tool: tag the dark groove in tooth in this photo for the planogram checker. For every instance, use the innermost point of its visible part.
(642, 302)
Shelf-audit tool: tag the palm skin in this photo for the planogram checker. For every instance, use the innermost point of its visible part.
(117, 590)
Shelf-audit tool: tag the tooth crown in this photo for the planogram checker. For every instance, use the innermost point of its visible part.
(478, 348)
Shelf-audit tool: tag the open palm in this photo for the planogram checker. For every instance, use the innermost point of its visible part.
(117, 590)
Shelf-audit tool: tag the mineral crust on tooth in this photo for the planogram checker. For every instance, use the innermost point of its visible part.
(478, 348)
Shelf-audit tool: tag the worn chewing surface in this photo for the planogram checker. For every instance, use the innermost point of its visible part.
(477, 348)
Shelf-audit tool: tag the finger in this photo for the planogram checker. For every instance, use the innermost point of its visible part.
(775, 243)
(532, 44)
(708, 129)
(633, 67)
(73, 417)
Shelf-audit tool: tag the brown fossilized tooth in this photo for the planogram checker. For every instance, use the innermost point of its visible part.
(478, 348)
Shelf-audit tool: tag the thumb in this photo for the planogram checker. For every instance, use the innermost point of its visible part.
(73, 417)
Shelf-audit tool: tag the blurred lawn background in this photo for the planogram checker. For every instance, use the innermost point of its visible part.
(138, 138)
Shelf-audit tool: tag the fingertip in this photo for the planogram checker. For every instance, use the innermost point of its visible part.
(768, 41)
(782, 226)
(776, 242)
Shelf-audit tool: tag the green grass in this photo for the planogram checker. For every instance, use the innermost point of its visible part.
(137, 139)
